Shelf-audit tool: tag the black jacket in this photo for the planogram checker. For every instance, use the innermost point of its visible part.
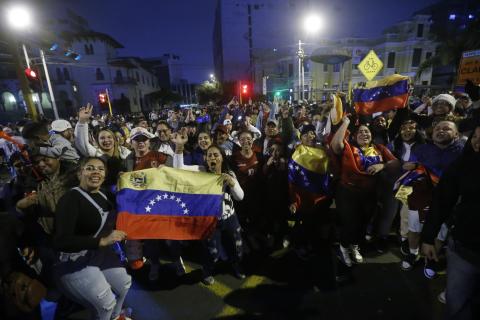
(456, 202)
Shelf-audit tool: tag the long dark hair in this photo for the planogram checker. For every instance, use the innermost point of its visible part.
(225, 164)
(398, 142)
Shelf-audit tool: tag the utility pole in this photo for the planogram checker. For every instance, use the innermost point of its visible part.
(26, 92)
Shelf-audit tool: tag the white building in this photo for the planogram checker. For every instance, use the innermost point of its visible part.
(402, 48)
(127, 79)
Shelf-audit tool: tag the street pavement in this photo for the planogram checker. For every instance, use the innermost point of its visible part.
(282, 286)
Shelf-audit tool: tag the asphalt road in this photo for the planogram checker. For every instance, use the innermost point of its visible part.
(282, 286)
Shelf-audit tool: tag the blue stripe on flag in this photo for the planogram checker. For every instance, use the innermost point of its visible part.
(378, 93)
(306, 179)
(158, 202)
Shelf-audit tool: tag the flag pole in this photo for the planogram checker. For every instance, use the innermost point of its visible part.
(108, 100)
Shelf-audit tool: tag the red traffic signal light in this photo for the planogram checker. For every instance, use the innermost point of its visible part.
(31, 74)
(244, 89)
(102, 98)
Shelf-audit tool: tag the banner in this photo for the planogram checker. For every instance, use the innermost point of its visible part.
(168, 203)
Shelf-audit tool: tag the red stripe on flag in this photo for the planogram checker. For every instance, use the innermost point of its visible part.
(397, 102)
(138, 226)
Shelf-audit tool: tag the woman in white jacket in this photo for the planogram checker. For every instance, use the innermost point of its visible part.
(227, 224)
(107, 142)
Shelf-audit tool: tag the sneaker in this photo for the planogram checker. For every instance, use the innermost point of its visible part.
(137, 264)
(180, 267)
(409, 262)
(442, 297)
(357, 257)
(154, 272)
(430, 269)
(238, 271)
(208, 281)
(405, 247)
(345, 256)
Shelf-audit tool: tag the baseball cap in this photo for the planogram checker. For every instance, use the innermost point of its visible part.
(227, 122)
(139, 131)
(61, 125)
(275, 122)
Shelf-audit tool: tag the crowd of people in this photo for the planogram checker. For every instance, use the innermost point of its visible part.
(410, 172)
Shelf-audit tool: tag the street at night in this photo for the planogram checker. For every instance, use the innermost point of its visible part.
(239, 159)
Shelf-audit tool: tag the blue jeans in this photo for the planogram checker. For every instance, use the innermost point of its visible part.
(463, 279)
(101, 291)
(230, 230)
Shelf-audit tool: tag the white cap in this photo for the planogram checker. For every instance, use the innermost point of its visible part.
(227, 122)
(445, 97)
(139, 131)
(61, 125)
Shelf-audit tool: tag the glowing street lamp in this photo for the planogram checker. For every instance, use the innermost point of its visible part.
(311, 24)
(19, 17)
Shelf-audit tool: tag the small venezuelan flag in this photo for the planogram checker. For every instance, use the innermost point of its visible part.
(378, 96)
(308, 170)
(168, 203)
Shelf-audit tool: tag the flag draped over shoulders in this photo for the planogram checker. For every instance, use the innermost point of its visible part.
(308, 175)
(168, 203)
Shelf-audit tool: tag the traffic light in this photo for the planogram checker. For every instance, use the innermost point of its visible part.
(33, 79)
(245, 89)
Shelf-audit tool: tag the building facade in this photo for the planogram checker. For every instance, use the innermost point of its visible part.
(402, 48)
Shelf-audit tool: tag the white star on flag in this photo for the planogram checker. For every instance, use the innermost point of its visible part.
(183, 205)
(152, 202)
(297, 168)
(147, 208)
(178, 200)
(172, 197)
(290, 166)
(185, 211)
(158, 198)
(165, 196)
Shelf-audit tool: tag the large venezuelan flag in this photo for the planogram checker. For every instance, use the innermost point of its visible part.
(308, 173)
(168, 203)
(378, 96)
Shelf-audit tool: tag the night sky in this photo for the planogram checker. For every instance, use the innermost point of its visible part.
(149, 28)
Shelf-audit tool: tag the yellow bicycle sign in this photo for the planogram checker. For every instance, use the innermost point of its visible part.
(371, 65)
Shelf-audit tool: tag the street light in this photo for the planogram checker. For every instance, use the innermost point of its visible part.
(311, 24)
(20, 18)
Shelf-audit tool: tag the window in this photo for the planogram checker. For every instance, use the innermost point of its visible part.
(424, 83)
(119, 75)
(66, 74)
(417, 57)
(290, 70)
(137, 76)
(325, 67)
(100, 75)
(336, 67)
(91, 49)
(391, 60)
(419, 30)
(59, 75)
(428, 55)
(143, 79)
(354, 66)
(87, 49)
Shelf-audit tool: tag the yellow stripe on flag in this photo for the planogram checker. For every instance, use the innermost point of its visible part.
(313, 159)
(387, 81)
(171, 180)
